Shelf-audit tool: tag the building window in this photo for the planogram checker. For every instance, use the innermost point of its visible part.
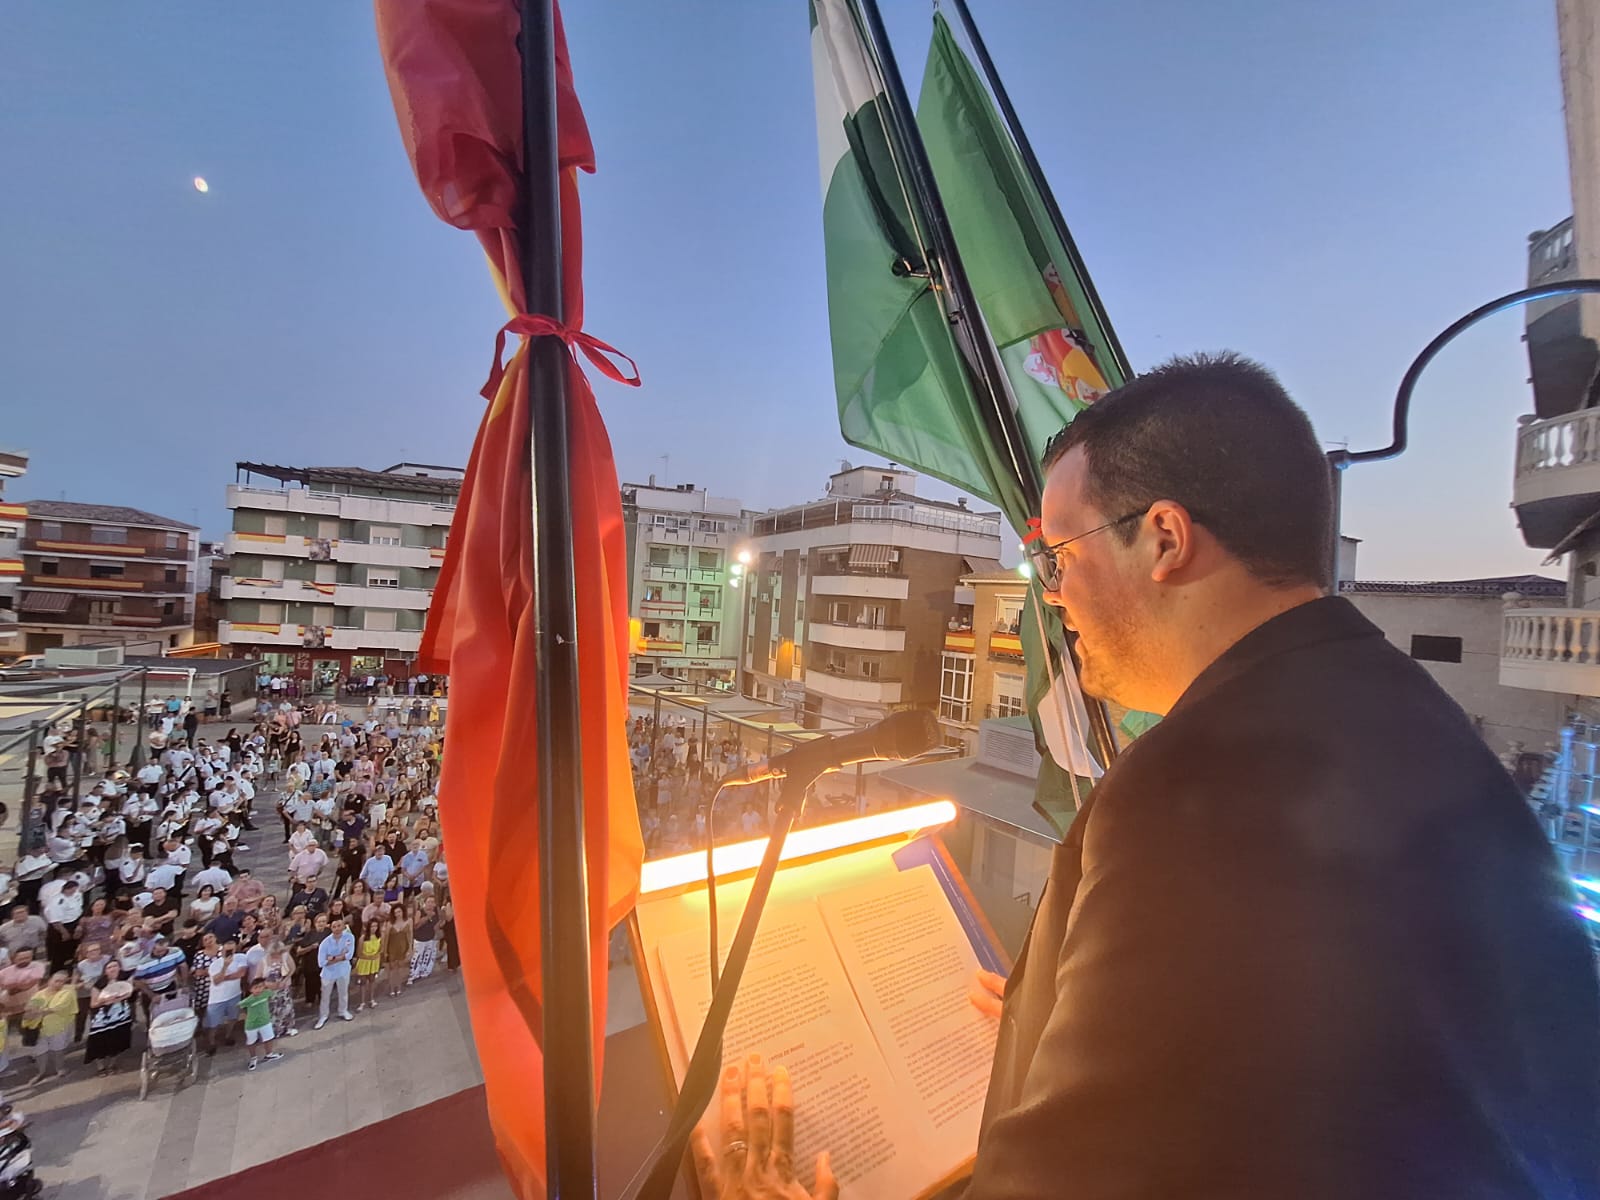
(172, 541)
(49, 566)
(651, 629)
(955, 688)
(1008, 614)
(384, 535)
(105, 570)
(170, 575)
(705, 635)
(383, 579)
(660, 556)
(108, 535)
(1427, 647)
(1008, 693)
(275, 523)
(168, 607)
(103, 612)
(707, 560)
(379, 620)
(50, 531)
(871, 668)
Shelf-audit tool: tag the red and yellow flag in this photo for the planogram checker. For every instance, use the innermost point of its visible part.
(455, 77)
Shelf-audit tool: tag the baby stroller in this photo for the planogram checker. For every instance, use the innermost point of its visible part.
(17, 1181)
(171, 1048)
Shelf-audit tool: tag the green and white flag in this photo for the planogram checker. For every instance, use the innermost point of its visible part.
(903, 390)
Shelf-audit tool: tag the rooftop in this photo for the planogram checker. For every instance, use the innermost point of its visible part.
(410, 477)
(106, 514)
(1495, 586)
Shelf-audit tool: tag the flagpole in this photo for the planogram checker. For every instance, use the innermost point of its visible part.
(563, 880)
(1030, 163)
(1000, 421)
(977, 349)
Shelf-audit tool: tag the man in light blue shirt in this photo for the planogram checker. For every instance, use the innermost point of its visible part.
(334, 957)
(376, 870)
(414, 866)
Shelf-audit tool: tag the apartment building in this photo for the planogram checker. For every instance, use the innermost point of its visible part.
(981, 673)
(331, 569)
(850, 596)
(13, 516)
(684, 615)
(104, 574)
(1548, 645)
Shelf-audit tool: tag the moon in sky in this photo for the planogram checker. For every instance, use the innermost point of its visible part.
(200, 184)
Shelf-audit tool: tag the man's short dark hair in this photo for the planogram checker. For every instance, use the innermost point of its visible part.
(1218, 434)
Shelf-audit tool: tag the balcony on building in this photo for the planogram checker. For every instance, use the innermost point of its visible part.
(1551, 650)
(57, 607)
(857, 632)
(839, 683)
(1556, 486)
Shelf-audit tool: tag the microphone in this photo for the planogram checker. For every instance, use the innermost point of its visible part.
(898, 736)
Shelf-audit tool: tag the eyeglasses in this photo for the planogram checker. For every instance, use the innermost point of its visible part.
(1047, 558)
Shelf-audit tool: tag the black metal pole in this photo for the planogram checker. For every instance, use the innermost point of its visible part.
(77, 758)
(30, 784)
(136, 751)
(961, 307)
(949, 275)
(563, 871)
(1030, 163)
(116, 720)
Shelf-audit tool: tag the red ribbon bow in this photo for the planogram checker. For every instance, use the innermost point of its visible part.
(1035, 531)
(539, 325)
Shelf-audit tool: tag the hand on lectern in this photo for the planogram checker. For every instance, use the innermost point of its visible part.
(989, 994)
(757, 1160)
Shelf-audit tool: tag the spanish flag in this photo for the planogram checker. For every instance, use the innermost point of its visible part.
(455, 78)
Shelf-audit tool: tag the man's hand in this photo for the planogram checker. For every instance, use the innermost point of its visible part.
(989, 994)
(762, 1167)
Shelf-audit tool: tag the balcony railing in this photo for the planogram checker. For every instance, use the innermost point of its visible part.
(1551, 650)
(860, 625)
(1570, 440)
(845, 568)
(1557, 475)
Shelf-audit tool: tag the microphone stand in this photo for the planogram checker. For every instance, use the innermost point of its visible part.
(660, 1170)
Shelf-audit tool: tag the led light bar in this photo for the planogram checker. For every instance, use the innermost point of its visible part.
(662, 873)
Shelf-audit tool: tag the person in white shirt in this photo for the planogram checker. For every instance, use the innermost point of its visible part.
(150, 774)
(215, 877)
(301, 839)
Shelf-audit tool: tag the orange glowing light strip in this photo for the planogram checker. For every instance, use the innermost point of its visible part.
(663, 873)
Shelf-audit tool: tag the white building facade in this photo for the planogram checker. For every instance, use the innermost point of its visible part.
(850, 596)
(13, 519)
(331, 569)
(682, 548)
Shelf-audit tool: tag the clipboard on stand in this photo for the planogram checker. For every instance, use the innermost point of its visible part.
(857, 982)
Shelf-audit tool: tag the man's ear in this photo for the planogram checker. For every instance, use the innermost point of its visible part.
(1174, 537)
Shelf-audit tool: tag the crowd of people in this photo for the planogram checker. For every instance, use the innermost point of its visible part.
(673, 785)
(129, 902)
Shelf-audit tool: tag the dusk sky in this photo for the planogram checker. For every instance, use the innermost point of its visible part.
(1320, 186)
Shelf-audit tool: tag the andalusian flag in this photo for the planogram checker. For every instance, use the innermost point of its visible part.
(903, 390)
(1057, 356)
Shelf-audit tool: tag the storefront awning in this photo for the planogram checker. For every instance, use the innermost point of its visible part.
(869, 556)
(46, 602)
